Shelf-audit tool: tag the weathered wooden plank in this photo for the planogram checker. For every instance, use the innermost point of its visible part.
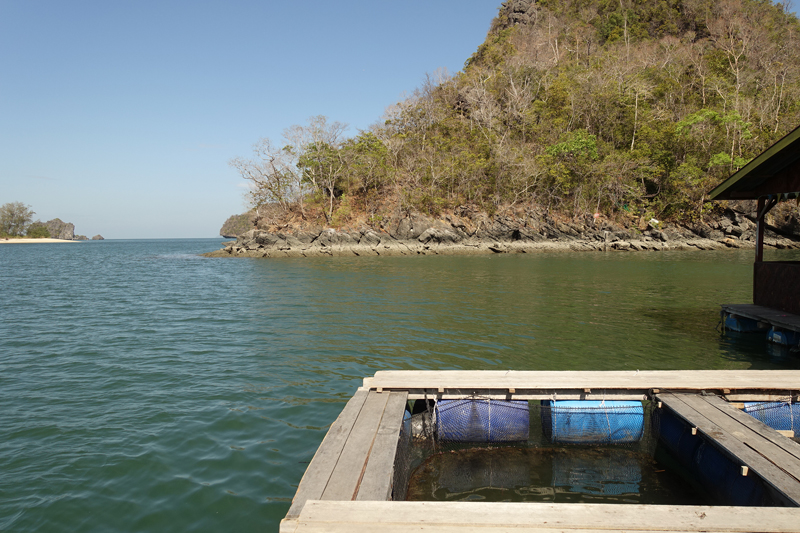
(775, 437)
(377, 481)
(328, 527)
(322, 464)
(742, 430)
(346, 475)
(521, 394)
(755, 397)
(775, 317)
(288, 525)
(478, 516)
(598, 382)
(725, 439)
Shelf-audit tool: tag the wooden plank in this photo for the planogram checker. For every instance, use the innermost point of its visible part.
(418, 527)
(757, 397)
(599, 382)
(775, 317)
(421, 527)
(775, 437)
(497, 394)
(288, 525)
(752, 434)
(729, 441)
(540, 517)
(346, 475)
(379, 473)
(322, 464)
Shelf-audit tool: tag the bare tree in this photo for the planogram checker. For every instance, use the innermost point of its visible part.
(272, 176)
(309, 160)
(319, 160)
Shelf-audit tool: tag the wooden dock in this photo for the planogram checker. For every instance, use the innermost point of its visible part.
(767, 315)
(348, 484)
(756, 446)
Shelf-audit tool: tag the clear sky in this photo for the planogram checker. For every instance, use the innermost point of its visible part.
(121, 116)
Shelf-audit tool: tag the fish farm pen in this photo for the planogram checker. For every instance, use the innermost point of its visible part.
(559, 451)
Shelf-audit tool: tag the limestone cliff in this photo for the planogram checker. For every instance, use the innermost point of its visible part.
(60, 230)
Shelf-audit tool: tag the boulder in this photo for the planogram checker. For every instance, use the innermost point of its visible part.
(263, 238)
(370, 238)
(438, 236)
(60, 230)
(331, 237)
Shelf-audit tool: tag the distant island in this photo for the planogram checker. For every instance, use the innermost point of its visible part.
(599, 122)
(16, 224)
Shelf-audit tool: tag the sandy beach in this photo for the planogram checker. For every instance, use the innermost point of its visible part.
(30, 241)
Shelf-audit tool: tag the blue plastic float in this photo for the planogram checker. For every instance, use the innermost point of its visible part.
(785, 338)
(714, 471)
(777, 415)
(742, 324)
(593, 422)
(482, 420)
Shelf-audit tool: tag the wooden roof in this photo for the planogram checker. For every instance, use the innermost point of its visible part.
(775, 171)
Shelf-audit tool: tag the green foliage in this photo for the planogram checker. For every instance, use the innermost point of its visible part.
(496, 49)
(627, 107)
(37, 230)
(578, 144)
(342, 212)
(15, 217)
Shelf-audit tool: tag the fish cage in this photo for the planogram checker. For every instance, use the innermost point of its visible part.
(584, 451)
(782, 415)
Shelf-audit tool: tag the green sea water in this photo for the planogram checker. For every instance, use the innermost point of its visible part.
(145, 388)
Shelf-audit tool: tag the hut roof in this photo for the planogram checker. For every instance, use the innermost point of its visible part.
(775, 171)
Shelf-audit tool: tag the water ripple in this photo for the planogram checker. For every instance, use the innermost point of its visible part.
(146, 388)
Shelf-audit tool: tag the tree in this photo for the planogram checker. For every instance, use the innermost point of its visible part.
(320, 160)
(272, 175)
(15, 217)
(38, 230)
(310, 161)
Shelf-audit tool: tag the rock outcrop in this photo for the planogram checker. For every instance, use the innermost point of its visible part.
(60, 230)
(98, 238)
(470, 232)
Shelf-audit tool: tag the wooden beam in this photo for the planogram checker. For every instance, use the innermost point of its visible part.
(601, 382)
(346, 476)
(379, 473)
(322, 464)
(499, 394)
(464, 517)
(732, 438)
(773, 436)
(759, 233)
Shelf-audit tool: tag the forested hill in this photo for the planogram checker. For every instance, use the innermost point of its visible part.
(628, 108)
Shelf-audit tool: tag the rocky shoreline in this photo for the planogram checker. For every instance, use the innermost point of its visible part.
(482, 234)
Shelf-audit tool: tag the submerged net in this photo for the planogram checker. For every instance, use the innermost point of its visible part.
(781, 415)
(573, 451)
(482, 449)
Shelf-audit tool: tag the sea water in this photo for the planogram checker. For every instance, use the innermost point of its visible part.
(143, 387)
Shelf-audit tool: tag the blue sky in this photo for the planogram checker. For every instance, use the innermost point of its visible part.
(121, 116)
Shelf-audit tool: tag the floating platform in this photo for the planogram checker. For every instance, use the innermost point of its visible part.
(348, 485)
(756, 318)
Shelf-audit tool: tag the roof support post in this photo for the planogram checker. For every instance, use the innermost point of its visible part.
(765, 204)
(760, 231)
